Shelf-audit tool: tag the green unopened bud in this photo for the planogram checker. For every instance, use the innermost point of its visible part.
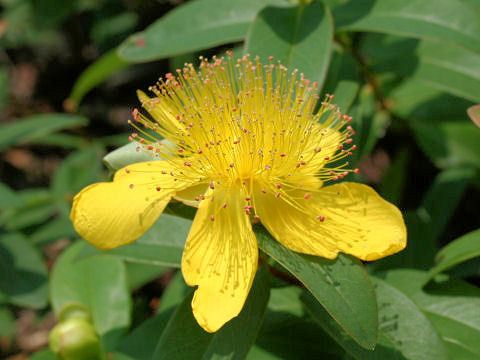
(75, 339)
(74, 310)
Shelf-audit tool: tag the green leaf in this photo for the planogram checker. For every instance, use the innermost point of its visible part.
(161, 245)
(8, 197)
(428, 222)
(367, 131)
(343, 78)
(32, 207)
(107, 65)
(404, 331)
(23, 274)
(7, 322)
(100, 284)
(126, 155)
(448, 21)
(196, 25)
(449, 69)
(439, 123)
(141, 343)
(109, 30)
(449, 143)
(4, 86)
(43, 355)
(174, 293)
(341, 286)
(140, 274)
(54, 229)
(451, 306)
(459, 250)
(36, 127)
(393, 183)
(301, 37)
(79, 169)
(184, 339)
(287, 333)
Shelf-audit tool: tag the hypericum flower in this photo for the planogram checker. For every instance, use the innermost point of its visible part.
(244, 143)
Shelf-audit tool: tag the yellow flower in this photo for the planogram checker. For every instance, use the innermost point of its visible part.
(243, 143)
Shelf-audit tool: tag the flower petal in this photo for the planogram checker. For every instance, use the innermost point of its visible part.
(189, 195)
(347, 217)
(220, 257)
(112, 214)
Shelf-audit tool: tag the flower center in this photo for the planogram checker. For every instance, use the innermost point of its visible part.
(241, 122)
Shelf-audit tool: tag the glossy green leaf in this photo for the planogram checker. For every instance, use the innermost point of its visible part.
(427, 223)
(341, 286)
(140, 274)
(301, 37)
(196, 25)
(450, 305)
(79, 169)
(343, 79)
(404, 331)
(141, 343)
(287, 332)
(363, 122)
(439, 123)
(449, 143)
(8, 197)
(449, 69)
(4, 86)
(103, 68)
(184, 339)
(32, 207)
(43, 355)
(100, 283)
(7, 322)
(108, 30)
(459, 250)
(35, 127)
(23, 273)
(54, 229)
(161, 245)
(448, 21)
(126, 155)
(393, 183)
(174, 293)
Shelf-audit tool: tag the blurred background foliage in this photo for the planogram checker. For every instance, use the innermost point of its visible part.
(407, 71)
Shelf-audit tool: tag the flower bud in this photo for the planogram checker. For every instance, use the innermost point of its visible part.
(74, 338)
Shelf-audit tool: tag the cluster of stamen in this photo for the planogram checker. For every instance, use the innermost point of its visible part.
(237, 123)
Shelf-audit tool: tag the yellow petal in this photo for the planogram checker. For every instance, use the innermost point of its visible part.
(190, 195)
(347, 217)
(220, 257)
(117, 213)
